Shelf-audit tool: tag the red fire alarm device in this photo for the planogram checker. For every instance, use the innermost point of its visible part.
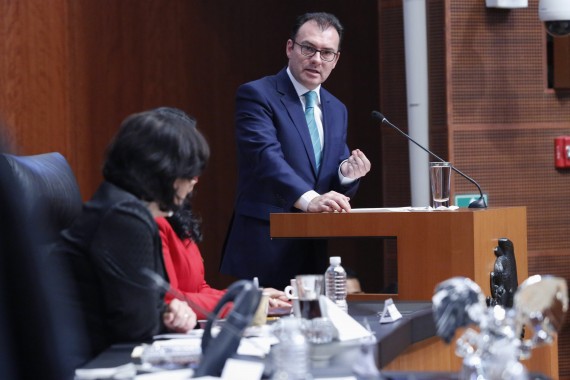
(562, 152)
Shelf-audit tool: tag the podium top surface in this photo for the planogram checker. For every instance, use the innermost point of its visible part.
(386, 221)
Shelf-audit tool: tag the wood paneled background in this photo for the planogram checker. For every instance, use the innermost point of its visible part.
(72, 70)
(492, 114)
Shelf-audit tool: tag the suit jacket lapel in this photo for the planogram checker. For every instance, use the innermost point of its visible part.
(291, 102)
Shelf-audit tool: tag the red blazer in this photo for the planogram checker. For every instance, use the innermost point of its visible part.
(185, 268)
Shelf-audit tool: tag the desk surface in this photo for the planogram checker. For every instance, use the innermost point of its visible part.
(392, 338)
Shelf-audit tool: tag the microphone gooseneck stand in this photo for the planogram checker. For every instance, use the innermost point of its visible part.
(477, 203)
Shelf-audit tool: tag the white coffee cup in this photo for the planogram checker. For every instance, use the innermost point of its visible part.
(291, 290)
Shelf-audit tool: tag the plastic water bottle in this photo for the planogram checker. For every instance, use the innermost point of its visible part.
(291, 355)
(335, 283)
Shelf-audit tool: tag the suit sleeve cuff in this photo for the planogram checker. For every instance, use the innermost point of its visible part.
(303, 202)
(344, 181)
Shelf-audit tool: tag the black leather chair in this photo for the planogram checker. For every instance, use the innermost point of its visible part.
(38, 197)
(47, 189)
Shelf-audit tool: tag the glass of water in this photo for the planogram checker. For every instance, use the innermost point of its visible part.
(440, 181)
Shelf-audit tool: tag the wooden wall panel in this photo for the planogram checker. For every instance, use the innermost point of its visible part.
(396, 189)
(520, 172)
(125, 58)
(561, 58)
(498, 70)
(34, 74)
(502, 120)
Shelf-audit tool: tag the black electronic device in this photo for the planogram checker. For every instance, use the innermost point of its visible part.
(216, 350)
(245, 296)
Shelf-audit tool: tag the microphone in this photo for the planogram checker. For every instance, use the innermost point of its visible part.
(246, 298)
(161, 283)
(478, 203)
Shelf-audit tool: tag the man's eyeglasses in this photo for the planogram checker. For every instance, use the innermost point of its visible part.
(308, 51)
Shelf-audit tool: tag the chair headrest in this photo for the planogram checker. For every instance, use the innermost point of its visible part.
(48, 189)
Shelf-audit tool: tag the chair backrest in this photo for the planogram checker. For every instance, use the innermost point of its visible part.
(39, 333)
(48, 191)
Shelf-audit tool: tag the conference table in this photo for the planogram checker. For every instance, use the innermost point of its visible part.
(334, 359)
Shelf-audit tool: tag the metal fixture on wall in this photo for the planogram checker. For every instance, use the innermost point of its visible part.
(415, 44)
(506, 4)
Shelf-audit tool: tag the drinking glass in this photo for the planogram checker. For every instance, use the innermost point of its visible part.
(440, 181)
(309, 288)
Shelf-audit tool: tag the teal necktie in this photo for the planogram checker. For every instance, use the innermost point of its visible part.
(311, 101)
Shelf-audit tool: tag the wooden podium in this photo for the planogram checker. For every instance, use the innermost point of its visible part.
(432, 246)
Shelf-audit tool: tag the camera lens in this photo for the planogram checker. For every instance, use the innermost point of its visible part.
(558, 28)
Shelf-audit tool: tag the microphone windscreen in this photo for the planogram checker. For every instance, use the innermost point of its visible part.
(377, 115)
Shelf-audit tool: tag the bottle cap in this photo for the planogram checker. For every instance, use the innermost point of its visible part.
(334, 260)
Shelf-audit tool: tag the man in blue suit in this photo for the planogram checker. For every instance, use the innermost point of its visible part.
(292, 156)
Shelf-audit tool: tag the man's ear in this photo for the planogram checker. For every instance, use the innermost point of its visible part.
(336, 59)
(289, 48)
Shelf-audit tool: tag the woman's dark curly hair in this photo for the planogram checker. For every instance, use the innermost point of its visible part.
(185, 224)
(151, 150)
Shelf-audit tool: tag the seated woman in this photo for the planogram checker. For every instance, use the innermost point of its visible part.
(180, 234)
(149, 170)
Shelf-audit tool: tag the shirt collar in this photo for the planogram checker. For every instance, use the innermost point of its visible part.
(301, 90)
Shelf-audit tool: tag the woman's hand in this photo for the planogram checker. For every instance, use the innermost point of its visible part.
(179, 317)
(277, 298)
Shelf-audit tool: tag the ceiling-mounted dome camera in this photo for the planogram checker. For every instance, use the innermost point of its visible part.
(555, 14)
